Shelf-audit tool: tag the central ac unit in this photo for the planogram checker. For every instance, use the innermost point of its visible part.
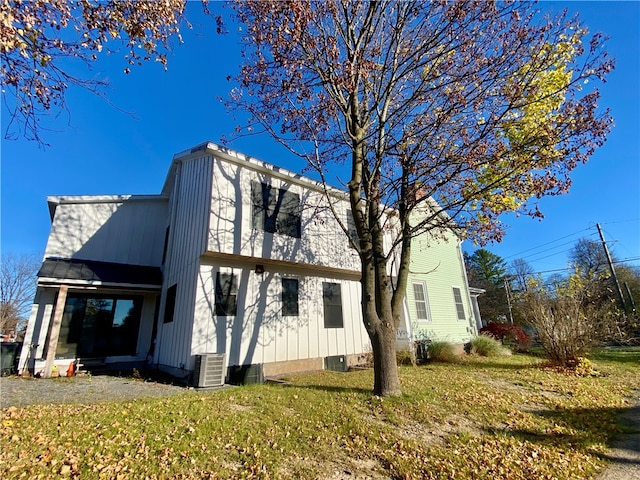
(209, 370)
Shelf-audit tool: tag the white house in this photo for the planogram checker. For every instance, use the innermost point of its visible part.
(236, 268)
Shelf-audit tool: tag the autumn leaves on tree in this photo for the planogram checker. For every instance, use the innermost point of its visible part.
(448, 114)
(478, 106)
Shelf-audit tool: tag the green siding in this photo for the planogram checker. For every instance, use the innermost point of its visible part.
(438, 264)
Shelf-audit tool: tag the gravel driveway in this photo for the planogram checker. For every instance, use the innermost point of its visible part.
(19, 392)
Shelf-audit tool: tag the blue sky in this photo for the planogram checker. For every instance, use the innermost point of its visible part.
(125, 146)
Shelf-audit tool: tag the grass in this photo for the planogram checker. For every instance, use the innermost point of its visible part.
(498, 418)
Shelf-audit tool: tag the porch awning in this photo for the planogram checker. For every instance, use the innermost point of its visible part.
(91, 271)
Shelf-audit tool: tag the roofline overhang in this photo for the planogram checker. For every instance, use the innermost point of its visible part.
(58, 282)
(246, 161)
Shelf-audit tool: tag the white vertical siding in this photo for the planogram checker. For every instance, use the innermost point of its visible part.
(38, 325)
(189, 224)
(124, 231)
(322, 242)
(259, 333)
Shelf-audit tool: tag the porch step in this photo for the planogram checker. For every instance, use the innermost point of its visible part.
(90, 365)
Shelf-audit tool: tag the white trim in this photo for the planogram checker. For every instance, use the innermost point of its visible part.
(427, 307)
(455, 304)
(94, 284)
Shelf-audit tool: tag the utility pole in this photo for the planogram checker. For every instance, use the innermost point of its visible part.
(613, 271)
(506, 289)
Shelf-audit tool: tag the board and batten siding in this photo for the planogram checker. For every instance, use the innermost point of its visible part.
(437, 263)
(259, 332)
(123, 230)
(322, 243)
(186, 241)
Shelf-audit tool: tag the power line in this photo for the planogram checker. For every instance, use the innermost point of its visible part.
(593, 227)
(621, 221)
(626, 260)
(548, 243)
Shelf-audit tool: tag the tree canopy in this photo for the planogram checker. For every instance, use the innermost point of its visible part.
(479, 106)
(447, 113)
(487, 266)
(41, 39)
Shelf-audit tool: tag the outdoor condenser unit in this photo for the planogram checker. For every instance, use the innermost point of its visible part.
(209, 370)
(336, 363)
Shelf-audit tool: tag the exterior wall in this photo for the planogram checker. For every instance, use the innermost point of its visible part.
(438, 264)
(36, 334)
(190, 201)
(322, 243)
(41, 317)
(259, 333)
(130, 231)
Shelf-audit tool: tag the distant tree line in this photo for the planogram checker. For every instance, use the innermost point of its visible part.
(570, 312)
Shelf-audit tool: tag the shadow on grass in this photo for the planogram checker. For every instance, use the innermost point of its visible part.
(327, 388)
(626, 355)
(496, 363)
(582, 428)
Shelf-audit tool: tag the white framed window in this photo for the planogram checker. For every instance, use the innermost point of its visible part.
(457, 298)
(421, 301)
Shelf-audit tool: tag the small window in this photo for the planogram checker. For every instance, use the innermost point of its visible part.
(351, 229)
(457, 298)
(166, 245)
(421, 302)
(289, 297)
(276, 210)
(170, 303)
(226, 294)
(332, 301)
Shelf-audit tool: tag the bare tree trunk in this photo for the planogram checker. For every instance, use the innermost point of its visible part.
(381, 329)
(385, 368)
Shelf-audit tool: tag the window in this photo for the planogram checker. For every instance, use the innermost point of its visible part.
(457, 298)
(351, 228)
(166, 245)
(332, 301)
(170, 303)
(226, 294)
(99, 326)
(289, 297)
(276, 210)
(421, 302)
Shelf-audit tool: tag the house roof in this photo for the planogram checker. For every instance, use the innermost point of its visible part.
(246, 161)
(90, 271)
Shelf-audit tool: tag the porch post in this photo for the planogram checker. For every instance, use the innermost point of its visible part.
(54, 330)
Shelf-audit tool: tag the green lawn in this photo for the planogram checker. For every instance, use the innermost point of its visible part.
(506, 418)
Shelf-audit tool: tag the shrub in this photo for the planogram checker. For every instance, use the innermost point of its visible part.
(440, 351)
(405, 357)
(487, 346)
(511, 335)
(568, 318)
